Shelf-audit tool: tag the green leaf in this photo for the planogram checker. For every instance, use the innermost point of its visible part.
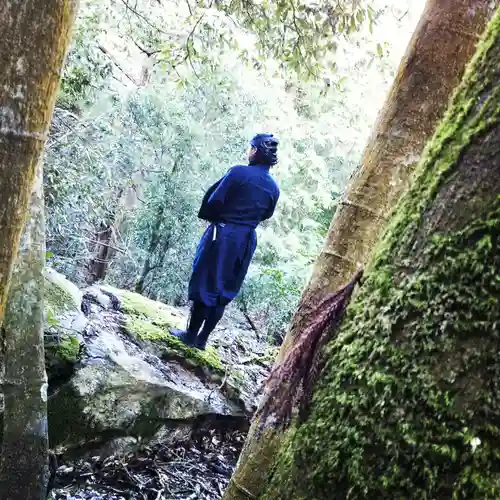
(50, 319)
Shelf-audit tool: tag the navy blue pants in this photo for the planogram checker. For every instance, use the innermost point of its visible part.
(206, 316)
(221, 263)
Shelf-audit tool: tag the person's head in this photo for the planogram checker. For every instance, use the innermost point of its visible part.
(263, 150)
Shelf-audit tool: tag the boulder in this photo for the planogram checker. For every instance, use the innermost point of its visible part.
(133, 381)
(63, 302)
(64, 325)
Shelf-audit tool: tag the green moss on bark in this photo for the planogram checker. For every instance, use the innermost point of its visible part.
(408, 405)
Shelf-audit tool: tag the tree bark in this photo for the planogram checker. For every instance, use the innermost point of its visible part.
(408, 403)
(104, 250)
(24, 459)
(105, 238)
(34, 41)
(441, 46)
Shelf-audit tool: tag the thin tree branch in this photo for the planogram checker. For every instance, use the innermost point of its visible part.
(148, 53)
(117, 64)
(145, 19)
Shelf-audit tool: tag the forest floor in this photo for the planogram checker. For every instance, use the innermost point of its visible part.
(197, 465)
(184, 470)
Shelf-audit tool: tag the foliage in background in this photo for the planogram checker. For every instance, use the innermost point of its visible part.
(297, 35)
(148, 118)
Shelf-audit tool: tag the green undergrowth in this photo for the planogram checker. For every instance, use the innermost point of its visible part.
(149, 321)
(408, 404)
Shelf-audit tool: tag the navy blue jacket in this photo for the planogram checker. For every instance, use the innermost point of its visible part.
(246, 195)
(235, 205)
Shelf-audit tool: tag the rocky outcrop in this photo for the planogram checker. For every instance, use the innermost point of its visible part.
(130, 379)
(64, 326)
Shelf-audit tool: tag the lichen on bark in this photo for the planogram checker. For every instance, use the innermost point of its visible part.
(408, 405)
(23, 465)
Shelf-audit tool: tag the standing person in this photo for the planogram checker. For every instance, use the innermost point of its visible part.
(234, 206)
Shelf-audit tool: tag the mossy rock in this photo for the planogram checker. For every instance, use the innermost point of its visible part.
(60, 358)
(87, 420)
(171, 347)
(60, 295)
(149, 321)
(66, 349)
(117, 391)
(158, 313)
(64, 320)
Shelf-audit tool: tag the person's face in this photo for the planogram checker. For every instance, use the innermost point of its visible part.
(251, 152)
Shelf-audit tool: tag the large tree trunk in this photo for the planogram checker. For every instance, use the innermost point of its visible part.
(33, 45)
(23, 465)
(441, 46)
(408, 403)
(431, 69)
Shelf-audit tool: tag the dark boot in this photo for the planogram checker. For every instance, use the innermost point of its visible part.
(186, 337)
(195, 321)
(201, 340)
(214, 315)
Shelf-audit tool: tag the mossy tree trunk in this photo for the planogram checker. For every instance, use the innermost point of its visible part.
(408, 405)
(441, 46)
(23, 464)
(34, 42)
(33, 45)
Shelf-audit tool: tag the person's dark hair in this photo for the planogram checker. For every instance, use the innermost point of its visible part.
(266, 146)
